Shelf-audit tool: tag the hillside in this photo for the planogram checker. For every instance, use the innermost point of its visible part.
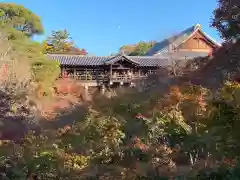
(169, 125)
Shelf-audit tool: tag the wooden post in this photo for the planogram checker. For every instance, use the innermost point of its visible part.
(139, 72)
(110, 71)
(85, 74)
(74, 73)
(63, 71)
(102, 89)
(86, 94)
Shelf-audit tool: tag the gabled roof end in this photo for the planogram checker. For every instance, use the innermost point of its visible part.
(198, 26)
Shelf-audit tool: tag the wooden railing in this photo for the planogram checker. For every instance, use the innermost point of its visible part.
(86, 77)
(105, 77)
(124, 77)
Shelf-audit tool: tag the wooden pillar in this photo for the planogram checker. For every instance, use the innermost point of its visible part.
(139, 72)
(74, 73)
(110, 71)
(85, 74)
(62, 71)
(102, 89)
(86, 94)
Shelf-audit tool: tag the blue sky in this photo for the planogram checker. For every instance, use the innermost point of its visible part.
(103, 26)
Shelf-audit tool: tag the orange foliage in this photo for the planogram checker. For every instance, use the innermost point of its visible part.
(202, 102)
(175, 94)
(67, 93)
(171, 99)
(4, 71)
(50, 109)
(137, 143)
(230, 162)
(140, 116)
(64, 130)
(68, 86)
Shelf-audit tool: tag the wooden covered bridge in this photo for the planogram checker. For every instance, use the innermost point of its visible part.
(122, 69)
(97, 70)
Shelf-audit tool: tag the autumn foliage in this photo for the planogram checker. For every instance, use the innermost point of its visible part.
(65, 94)
(184, 132)
(60, 42)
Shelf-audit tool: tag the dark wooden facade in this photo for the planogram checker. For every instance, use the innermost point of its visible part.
(122, 71)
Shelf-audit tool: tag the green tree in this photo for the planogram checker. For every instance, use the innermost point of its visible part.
(127, 49)
(227, 19)
(224, 121)
(61, 42)
(138, 49)
(17, 26)
(20, 18)
(142, 48)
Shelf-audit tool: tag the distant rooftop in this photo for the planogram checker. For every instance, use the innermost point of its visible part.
(177, 40)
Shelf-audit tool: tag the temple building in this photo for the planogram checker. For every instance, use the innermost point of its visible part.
(188, 44)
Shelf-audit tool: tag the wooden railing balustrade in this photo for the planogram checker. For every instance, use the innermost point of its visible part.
(88, 77)
(127, 77)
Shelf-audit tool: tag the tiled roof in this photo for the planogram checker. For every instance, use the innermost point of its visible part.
(176, 40)
(79, 59)
(183, 54)
(119, 57)
(76, 60)
(150, 60)
(143, 61)
(163, 46)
